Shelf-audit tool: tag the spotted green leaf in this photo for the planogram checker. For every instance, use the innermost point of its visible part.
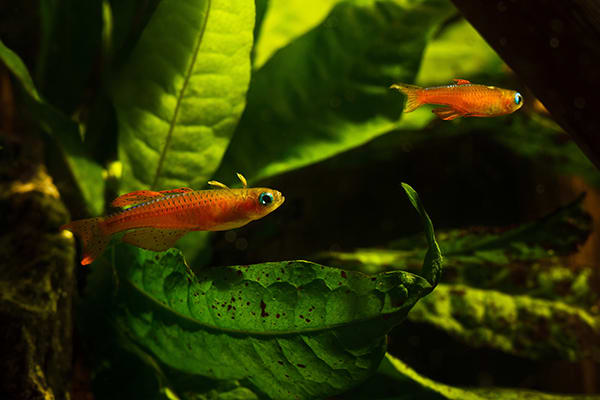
(180, 95)
(289, 329)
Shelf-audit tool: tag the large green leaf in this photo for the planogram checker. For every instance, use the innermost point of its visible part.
(286, 20)
(129, 20)
(180, 95)
(288, 329)
(327, 91)
(459, 52)
(86, 174)
(410, 385)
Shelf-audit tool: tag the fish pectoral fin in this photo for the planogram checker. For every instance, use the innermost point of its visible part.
(461, 82)
(447, 114)
(129, 199)
(153, 239)
(140, 196)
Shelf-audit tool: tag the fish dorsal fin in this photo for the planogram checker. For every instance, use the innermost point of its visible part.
(218, 184)
(130, 199)
(175, 191)
(461, 82)
(140, 196)
(153, 238)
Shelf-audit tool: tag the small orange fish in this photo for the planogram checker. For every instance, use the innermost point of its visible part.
(464, 99)
(156, 220)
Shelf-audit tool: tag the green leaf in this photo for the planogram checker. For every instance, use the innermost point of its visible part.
(285, 20)
(458, 51)
(285, 329)
(86, 174)
(424, 388)
(327, 91)
(16, 66)
(533, 304)
(516, 324)
(433, 256)
(291, 329)
(129, 20)
(180, 95)
(520, 260)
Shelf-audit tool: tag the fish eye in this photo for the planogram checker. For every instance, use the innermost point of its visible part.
(518, 98)
(265, 198)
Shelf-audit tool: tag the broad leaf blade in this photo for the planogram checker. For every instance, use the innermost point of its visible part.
(458, 51)
(327, 91)
(129, 20)
(285, 20)
(290, 329)
(180, 96)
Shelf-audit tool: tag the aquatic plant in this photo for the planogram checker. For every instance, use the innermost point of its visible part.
(154, 95)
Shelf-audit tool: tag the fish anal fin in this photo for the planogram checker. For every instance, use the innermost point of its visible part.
(153, 239)
(461, 82)
(175, 191)
(447, 114)
(129, 199)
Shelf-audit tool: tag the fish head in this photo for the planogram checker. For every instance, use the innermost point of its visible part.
(511, 100)
(262, 201)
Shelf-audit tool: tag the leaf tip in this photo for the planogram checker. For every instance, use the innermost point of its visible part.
(412, 194)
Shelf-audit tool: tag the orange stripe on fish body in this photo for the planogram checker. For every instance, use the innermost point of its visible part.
(158, 221)
(462, 99)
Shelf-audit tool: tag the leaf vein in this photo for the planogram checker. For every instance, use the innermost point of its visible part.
(180, 98)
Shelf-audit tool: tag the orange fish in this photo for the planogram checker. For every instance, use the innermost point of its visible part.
(156, 220)
(463, 99)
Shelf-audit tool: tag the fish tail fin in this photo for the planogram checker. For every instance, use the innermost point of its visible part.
(413, 100)
(92, 237)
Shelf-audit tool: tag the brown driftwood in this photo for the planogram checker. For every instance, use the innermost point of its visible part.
(554, 48)
(37, 279)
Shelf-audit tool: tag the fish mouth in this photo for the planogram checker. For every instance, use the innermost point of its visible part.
(280, 201)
